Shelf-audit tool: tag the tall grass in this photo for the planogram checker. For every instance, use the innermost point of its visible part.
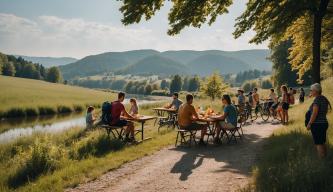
(26, 97)
(289, 161)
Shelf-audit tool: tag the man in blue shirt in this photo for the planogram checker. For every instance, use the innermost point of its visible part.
(176, 103)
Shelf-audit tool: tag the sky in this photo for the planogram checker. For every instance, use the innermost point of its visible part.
(78, 28)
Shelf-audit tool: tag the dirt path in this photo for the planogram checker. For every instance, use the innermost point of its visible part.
(211, 168)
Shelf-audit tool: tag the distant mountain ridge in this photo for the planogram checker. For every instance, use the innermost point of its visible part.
(166, 63)
(49, 61)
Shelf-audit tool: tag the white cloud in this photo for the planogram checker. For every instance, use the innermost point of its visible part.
(55, 36)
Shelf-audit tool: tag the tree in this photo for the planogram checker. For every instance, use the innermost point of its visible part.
(214, 86)
(164, 84)
(8, 69)
(268, 18)
(148, 89)
(185, 84)
(53, 75)
(249, 85)
(176, 84)
(282, 70)
(194, 84)
(266, 84)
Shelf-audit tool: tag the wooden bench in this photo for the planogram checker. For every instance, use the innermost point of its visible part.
(116, 131)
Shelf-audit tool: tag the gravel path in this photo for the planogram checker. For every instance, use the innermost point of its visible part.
(212, 168)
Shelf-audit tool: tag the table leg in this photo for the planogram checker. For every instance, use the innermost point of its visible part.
(142, 123)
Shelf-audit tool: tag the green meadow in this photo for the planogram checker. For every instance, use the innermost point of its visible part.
(26, 97)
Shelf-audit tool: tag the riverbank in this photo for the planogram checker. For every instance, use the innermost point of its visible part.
(22, 97)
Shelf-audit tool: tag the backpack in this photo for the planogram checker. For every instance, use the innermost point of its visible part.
(106, 112)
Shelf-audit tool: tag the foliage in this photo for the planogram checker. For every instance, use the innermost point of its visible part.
(148, 89)
(214, 86)
(282, 69)
(8, 69)
(164, 84)
(266, 84)
(176, 84)
(249, 75)
(160, 93)
(194, 84)
(53, 75)
(249, 85)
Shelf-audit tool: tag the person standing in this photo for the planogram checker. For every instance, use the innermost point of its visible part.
(316, 119)
(301, 95)
(285, 104)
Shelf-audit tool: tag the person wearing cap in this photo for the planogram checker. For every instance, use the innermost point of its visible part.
(316, 119)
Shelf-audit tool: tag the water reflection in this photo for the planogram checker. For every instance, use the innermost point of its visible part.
(13, 128)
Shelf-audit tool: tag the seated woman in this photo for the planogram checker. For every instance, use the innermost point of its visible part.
(90, 119)
(134, 107)
(229, 118)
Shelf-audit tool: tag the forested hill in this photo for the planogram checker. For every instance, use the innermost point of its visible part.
(49, 61)
(169, 62)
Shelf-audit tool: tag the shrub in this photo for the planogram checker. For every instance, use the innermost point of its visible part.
(37, 162)
(64, 109)
(31, 112)
(96, 146)
(15, 112)
(78, 108)
(46, 111)
(160, 93)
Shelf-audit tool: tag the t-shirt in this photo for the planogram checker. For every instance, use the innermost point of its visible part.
(231, 112)
(272, 96)
(255, 97)
(117, 108)
(241, 99)
(185, 114)
(322, 103)
(89, 119)
(176, 103)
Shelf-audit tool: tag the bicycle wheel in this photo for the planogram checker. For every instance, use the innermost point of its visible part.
(264, 114)
(254, 114)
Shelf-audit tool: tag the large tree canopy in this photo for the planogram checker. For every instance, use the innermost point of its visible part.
(268, 18)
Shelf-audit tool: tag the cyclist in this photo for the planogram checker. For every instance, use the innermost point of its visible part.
(273, 101)
(255, 97)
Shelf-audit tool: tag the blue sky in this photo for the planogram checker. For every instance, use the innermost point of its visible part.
(78, 28)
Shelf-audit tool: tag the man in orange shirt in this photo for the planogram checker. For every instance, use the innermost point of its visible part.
(187, 117)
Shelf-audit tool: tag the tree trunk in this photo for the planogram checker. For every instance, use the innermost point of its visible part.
(317, 22)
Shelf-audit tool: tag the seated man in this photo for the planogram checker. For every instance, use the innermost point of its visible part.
(187, 116)
(119, 110)
(228, 119)
(176, 103)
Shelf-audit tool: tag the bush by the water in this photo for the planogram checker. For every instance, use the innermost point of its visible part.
(64, 109)
(46, 111)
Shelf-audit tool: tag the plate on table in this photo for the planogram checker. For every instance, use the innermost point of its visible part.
(215, 116)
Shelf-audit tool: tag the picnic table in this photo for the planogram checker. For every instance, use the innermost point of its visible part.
(141, 119)
(163, 119)
(211, 124)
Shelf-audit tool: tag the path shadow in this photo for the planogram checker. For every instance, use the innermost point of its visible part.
(232, 155)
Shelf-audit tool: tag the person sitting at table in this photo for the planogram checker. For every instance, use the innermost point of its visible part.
(134, 107)
(229, 118)
(187, 117)
(118, 110)
(90, 119)
(176, 102)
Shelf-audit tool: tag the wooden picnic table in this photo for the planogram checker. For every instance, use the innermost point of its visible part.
(211, 124)
(170, 119)
(141, 119)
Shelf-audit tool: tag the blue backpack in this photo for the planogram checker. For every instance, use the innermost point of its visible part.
(106, 112)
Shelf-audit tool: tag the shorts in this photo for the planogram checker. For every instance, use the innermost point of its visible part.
(193, 126)
(318, 131)
(120, 123)
(269, 104)
(226, 125)
(275, 106)
(285, 106)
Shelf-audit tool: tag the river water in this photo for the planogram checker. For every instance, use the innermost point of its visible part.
(11, 129)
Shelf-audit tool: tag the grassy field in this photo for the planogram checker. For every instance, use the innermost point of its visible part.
(27, 97)
(289, 161)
